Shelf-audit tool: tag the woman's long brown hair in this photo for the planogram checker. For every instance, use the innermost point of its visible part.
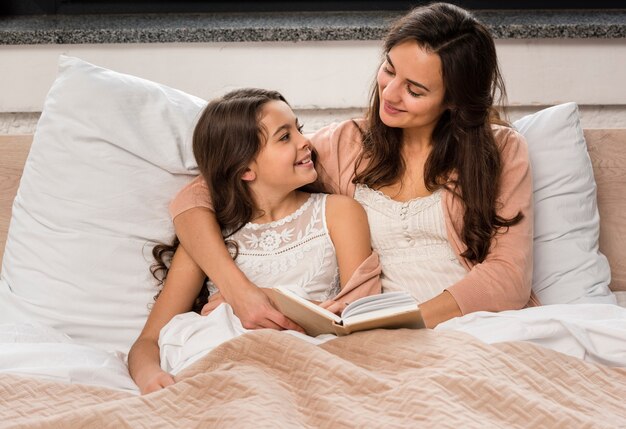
(463, 142)
(227, 138)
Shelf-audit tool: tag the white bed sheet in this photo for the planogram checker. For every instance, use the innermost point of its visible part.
(34, 350)
(592, 332)
(621, 298)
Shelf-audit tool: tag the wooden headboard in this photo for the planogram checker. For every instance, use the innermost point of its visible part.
(607, 148)
(13, 153)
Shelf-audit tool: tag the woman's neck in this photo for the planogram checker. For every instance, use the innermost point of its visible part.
(272, 207)
(417, 140)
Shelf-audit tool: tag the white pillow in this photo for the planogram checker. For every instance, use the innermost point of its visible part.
(568, 268)
(109, 152)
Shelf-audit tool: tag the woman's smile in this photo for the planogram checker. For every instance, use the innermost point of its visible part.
(391, 109)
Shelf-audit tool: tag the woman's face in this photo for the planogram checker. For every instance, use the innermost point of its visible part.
(411, 89)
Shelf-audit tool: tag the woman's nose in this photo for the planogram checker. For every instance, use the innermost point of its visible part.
(390, 90)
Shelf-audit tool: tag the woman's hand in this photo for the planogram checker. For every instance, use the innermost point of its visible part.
(206, 247)
(255, 312)
(156, 381)
(439, 309)
(255, 309)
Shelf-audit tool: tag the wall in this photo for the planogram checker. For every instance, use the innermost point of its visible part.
(331, 75)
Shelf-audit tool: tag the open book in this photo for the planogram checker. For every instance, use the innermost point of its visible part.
(388, 310)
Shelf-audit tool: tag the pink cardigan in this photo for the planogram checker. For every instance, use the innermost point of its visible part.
(503, 280)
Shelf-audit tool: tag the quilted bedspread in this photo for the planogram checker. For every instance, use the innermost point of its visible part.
(402, 378)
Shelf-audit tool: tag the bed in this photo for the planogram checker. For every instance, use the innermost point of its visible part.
(559, 365)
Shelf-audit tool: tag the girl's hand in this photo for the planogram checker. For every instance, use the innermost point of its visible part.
(157, 381)
(215, 300)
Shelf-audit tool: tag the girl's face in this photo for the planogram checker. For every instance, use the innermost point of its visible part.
(284, 162)
(410, 87)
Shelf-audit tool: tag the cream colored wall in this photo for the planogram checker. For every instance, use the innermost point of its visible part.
(328, 75)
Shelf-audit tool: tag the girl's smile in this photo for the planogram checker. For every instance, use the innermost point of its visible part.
(305, 162)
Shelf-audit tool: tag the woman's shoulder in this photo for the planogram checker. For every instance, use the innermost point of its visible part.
(507, 134)
(511, 142)
(348, 132)
(338, 147)
(348, 125)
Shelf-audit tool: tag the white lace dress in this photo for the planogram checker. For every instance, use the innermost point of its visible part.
(295, 252)
(411, 240)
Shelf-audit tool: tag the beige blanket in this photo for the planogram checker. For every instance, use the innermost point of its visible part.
(371, 379)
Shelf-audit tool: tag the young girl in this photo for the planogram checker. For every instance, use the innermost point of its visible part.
(250, 150)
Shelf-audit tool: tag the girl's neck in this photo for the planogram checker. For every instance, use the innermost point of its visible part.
(271, 208)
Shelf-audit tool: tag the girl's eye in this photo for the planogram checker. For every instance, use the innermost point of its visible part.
(300, 128)
(285, 137)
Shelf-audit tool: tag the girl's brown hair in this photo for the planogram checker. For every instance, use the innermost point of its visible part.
(463, 141)
(227, 138)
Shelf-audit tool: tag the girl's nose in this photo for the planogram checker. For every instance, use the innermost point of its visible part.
(305, 142)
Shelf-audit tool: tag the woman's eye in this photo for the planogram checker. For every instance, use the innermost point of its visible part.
(411, 93)
(386, 70)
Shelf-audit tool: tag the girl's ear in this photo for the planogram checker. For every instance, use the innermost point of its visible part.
(248, 176)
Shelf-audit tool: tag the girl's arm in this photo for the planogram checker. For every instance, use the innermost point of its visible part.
(181, 287)
(359, 268)
(349, 229)
(350, 233)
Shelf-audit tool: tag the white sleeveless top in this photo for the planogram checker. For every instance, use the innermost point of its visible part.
(412, 243)
(295, 251)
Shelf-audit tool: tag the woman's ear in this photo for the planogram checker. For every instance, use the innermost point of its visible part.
(248, 175)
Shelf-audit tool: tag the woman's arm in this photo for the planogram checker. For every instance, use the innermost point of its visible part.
(181, 287)
(439, 309)
(503, 280)
(200, 235)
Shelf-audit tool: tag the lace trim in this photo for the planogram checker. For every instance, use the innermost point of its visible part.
(334, 288)
(379, 200)
(435, 194)
(284, 249)
(286, 219)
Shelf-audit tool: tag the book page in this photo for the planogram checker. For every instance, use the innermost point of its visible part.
(378, 302)
(381, 313)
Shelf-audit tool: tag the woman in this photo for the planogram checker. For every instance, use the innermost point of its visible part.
(447, 190)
